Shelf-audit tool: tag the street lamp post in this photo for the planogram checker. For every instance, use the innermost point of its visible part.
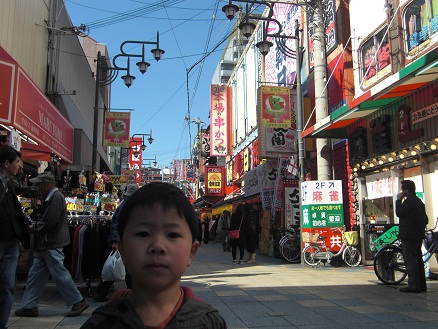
(143, 145)
(247, 26)
(149, 169)
(113, 73)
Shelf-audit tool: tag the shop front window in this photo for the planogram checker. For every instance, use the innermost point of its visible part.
(421, 23)
(375, 54)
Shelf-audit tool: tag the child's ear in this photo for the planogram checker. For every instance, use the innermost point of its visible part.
(193, 251)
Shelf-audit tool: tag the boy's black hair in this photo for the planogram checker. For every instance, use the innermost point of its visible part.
(8, 153)
(157, 193)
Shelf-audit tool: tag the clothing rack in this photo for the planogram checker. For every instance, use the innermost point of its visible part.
(88, 237)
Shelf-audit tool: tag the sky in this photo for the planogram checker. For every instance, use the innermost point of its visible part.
(189, 29)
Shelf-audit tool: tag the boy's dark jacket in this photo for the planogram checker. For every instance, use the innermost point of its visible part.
(194, 313)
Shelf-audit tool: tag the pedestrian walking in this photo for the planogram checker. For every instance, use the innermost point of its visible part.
(206, 225)
(51, 235)
(236, 224)
(250, 228)
(158, 231)
(13, 230)
(412, 224)
(223, 227)
(102, 290)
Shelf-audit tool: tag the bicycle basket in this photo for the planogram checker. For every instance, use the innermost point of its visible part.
(351, 238)
(310, 237)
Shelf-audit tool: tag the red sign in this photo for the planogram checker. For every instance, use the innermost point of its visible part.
(135, 157)
(117, 129)
(39, 119)
(214, 181)
(7, 79)
(24, 106)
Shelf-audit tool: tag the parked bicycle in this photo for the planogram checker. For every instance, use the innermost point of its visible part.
(389, 264)
(287, 243)
(314, 253)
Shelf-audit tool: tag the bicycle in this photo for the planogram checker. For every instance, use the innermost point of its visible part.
(287, 243)
(314, 253)
(389, 264)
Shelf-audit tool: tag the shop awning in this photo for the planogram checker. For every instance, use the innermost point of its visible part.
(35, 152)
(206, 201)
(400, 84)
(27, 109)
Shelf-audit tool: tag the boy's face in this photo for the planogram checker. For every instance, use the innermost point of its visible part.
(157, 248)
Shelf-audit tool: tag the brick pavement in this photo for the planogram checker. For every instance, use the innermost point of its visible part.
(273, 294)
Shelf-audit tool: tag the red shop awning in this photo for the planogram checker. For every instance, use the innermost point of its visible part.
(35, 152)
(26, 108)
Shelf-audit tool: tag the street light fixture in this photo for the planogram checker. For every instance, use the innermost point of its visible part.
(143, 145)
(111, 73)
(150, 159)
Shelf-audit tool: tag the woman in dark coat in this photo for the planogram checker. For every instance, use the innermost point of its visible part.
(235, 224)
(206, 225)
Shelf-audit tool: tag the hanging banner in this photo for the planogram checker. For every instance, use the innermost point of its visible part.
(220, 120)
(322, 204)
(117, 129)
(135, 157)
(273, 107)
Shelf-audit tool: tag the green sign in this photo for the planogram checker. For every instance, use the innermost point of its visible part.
(387, 237)
(323, 215)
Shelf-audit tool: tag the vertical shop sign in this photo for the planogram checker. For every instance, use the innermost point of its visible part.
(117, 129)
(135, 157)
(292, 203)
(220, 98)
(322, 204)
(214, 180)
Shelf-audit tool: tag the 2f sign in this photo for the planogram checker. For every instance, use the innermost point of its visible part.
(326, 192)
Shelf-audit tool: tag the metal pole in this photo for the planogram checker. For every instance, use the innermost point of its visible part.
(96, 116)
(321, 98)
(299, 103)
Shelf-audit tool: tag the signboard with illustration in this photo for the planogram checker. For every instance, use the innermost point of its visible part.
(117, 129)
(322, 204)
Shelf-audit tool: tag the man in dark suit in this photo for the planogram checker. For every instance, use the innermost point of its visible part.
(13, 229)
(412, 224)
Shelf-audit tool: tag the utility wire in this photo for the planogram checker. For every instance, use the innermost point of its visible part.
(174, 36)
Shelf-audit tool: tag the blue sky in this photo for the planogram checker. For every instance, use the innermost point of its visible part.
(188, 29)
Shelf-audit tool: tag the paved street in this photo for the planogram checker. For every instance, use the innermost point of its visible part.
(273, 294)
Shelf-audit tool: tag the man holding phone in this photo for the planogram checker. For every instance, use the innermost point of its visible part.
(412, 223)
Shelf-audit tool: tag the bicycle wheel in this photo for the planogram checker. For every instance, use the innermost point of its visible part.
(389, 265)
(352, 256)
(309, 252)
(280, 235)
(290, 248)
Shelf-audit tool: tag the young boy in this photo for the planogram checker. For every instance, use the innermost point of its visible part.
(158, 230)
